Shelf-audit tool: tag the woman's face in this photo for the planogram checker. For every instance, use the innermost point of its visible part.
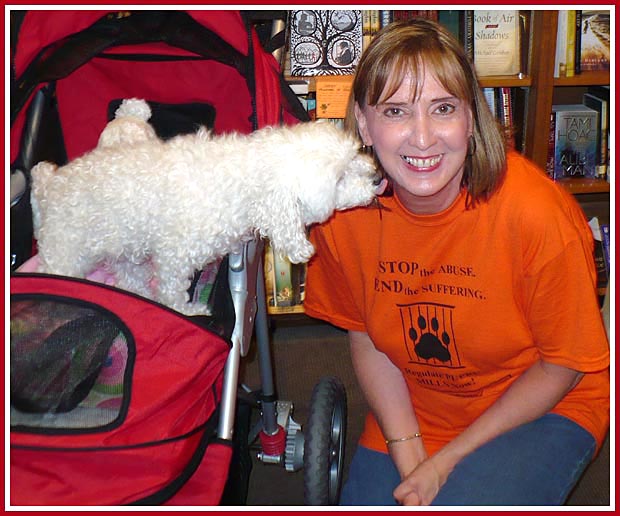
(421, 143)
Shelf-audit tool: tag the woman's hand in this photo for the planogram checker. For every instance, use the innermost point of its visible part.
(422, 485)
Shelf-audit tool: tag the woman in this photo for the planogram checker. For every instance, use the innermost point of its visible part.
(469, 296)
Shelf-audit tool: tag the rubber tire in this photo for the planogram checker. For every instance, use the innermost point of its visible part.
(325, 436)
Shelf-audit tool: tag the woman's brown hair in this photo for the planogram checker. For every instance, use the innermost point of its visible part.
(409, 47)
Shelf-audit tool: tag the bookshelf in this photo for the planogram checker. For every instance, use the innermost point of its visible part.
(544, 89)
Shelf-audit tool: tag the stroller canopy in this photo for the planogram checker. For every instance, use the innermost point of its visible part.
(169, 57)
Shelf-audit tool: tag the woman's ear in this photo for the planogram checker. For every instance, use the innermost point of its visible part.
(362, 125)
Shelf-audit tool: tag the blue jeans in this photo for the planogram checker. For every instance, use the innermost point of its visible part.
(538, 463)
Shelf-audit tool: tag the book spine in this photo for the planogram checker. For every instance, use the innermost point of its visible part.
(601, 106)
(450, 19)
(489, 95)
(570, 42)
(468, 34)
(386, 17)
(578, 28)
(507, 119)
(366, 29)
(559, 69)
(551, 147)
(606, 244)
(375, 21)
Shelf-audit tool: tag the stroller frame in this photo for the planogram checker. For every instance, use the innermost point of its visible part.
(320, 449)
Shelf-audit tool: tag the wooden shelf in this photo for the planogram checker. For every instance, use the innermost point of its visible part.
(511, 81)
(584, 79)
(584, 185)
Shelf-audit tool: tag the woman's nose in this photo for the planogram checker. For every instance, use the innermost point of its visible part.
(421, 132)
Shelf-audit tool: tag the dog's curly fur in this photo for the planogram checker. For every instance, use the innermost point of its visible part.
(139, 206)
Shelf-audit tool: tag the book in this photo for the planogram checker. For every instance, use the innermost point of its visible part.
(578, 28)
(489, 95)
(575, 152)
(571, 24)
(325, 42)
(606, 239)
(600, 103)
(497, 46)
(468, 33)
(526, 35)
(284, 283)
(602, 270)
(506, 114)
(559, 69)
(595, 44)
(551, 146)
(386, 17)
(366, 31)
(520, 98)
(452, 20)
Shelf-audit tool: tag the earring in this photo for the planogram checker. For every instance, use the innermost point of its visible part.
(471, 146)
(367, 149)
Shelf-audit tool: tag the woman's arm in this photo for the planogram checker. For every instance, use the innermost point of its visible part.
(531, 396)
(388, 397)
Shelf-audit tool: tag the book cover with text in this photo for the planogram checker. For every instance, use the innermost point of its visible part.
(595, 44)
(576, 153)
(497, 47)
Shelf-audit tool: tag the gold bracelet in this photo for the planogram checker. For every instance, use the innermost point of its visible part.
(408, 438)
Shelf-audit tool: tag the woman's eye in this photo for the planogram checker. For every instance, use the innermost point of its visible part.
(392, 112)
(445, 109)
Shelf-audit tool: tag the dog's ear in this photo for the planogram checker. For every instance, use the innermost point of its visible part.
(282, 222)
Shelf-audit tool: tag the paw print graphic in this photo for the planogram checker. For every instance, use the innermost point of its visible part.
(429, 335)
(432, 343)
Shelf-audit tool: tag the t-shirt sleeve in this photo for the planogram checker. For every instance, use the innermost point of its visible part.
(560, 293)
(329, 289)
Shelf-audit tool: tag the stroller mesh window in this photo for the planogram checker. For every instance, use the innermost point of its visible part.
(67, 363)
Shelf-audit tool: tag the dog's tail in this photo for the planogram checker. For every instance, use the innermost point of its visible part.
(136, 108)
(130, 125)
(41, 175)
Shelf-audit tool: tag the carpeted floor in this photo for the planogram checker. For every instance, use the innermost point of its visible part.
(302, 354)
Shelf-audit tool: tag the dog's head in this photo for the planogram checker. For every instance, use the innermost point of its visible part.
(314, 169)
(332, 173)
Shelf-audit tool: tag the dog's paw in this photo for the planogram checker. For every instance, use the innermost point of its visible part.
(300, 254)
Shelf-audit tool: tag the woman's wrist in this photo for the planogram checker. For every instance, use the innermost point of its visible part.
(407, 455)
(397, 440)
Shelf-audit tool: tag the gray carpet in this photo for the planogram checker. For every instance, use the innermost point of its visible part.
(302, 354)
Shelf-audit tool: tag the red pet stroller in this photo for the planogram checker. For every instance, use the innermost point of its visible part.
(116, 399)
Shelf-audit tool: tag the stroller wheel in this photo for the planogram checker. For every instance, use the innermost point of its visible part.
(325, 435)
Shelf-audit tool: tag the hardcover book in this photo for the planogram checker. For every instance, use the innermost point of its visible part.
(595, 46)
(497, 47)
(575, 150)
(325, 42)
(599, 101)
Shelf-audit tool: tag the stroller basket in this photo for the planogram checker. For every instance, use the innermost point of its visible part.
(91, 373)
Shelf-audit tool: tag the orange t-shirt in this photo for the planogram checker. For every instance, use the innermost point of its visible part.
(465, 300)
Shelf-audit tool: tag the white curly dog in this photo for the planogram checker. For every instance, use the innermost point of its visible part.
(152, 212)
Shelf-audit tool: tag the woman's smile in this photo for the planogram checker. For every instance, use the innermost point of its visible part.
(422, 164)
